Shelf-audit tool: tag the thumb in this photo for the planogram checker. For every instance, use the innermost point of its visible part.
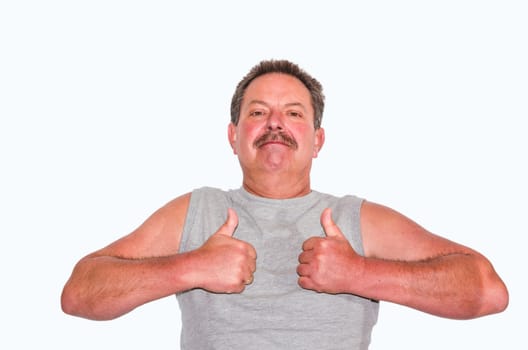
(229, 226)
(329, 226)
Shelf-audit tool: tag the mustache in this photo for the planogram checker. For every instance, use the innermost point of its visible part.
(280, 136)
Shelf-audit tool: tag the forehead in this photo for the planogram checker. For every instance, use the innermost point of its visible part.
(278, 86)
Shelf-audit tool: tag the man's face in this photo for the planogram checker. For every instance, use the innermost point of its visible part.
(276, 131)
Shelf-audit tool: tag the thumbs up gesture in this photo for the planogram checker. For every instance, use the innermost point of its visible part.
(327, 264)
(225, 264)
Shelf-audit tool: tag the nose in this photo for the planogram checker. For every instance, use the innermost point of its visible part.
(275, 121)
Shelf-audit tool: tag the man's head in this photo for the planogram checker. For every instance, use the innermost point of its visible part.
(284, 67)
(275, 129)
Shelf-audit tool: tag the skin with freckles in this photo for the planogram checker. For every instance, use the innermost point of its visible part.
(275, 140)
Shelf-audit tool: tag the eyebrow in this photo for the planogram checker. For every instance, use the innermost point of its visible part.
(290, 104)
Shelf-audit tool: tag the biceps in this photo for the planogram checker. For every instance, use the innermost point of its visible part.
(390, 235)
(158, 236)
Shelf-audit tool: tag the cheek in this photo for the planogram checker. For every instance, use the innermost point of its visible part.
(303, 134)
(306, 139)
(245, 137)
(248, 134)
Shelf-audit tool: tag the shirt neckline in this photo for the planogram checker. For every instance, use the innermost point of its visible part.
(246, 196)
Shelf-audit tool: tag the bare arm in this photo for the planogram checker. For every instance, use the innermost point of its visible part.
(404, 264)
(133, 270)
(145, 266)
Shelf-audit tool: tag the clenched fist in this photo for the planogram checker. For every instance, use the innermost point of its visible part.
(328, 264)
(226, 264)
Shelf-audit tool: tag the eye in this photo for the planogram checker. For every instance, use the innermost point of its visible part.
(294, 114)
(257, 113)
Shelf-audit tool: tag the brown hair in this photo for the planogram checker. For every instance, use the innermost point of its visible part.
(285, 67)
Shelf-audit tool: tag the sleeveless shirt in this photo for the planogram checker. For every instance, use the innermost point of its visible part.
(273, 312)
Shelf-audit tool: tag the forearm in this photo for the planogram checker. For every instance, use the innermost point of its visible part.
(105, 287)
(458, 286)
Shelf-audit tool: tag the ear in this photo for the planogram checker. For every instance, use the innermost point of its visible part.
(319, 141)
(231, 135)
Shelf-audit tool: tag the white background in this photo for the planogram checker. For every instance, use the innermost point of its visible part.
(109, 109)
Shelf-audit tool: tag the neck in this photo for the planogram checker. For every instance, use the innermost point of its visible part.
(277, 186)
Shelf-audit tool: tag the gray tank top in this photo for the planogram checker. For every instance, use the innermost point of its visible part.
(273, 312)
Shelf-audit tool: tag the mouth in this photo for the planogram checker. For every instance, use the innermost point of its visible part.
(279, 138)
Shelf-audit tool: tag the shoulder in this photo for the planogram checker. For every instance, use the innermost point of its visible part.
(207, 192)
(205, 197)
(384, 229)
(342, 204)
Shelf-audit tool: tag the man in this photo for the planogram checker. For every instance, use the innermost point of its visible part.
(275, 264)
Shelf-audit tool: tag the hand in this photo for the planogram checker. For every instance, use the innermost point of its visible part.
(227, 264)
(327, 264)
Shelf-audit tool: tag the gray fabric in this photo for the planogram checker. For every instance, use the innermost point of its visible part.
(273, 312)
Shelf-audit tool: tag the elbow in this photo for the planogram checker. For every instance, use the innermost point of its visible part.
(489, 300)
(489, 296)
(77, 299)
(72, 303)
(495, 293)
(69, 302)
(494, 296)
(76, 302)
(73, 298)
(497, 298)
